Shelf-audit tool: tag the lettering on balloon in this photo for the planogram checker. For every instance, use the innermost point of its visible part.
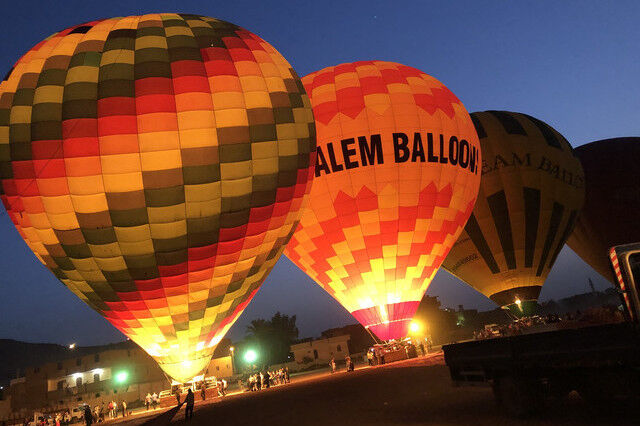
(525, 160)
(462, 262)
(366, 151)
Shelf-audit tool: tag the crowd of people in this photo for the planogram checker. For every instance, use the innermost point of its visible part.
(348, 362)
(151, 401)
(599, 315)
(87, 414)
(266, 379)
(112, 410)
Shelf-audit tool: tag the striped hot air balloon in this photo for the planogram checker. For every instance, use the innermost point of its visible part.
(531, 192)
(156, 165)
(396, 178)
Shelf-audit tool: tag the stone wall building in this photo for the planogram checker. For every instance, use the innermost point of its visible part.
(321, 350)
(123, 372)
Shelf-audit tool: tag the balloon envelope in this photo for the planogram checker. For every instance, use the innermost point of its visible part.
(611, 212)
(531, 191)
(156, 165)
(396, 178)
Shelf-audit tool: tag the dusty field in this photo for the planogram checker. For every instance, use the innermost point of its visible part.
(409, 393)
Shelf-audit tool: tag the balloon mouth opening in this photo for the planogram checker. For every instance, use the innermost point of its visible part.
(390, 330)
(522, 308)
(186, 370)
(388, 321)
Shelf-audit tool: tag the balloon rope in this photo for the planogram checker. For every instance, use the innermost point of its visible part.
(375, 341)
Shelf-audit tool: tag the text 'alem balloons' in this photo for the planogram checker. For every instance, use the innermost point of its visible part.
(157, 165)
(611, 212)
(531, 191)
(396, 178)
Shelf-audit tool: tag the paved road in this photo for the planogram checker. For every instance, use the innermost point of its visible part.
(414, 392)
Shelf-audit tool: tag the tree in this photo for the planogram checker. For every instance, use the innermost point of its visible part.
(273, 338)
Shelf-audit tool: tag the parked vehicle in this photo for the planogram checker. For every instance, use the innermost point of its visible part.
(601, 362)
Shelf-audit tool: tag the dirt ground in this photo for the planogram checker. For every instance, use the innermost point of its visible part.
(416, 392)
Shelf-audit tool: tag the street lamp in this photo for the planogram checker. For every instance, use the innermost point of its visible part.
(121, 377)
(72, 346)
(231, 349)
(250, 356)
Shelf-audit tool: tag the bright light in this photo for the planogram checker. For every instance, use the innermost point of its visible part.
(519, 303)
(72, 346)
(98, 371)
(250, 356)
(231, 348)
(77, 375)
(121, 376)
(414, 327)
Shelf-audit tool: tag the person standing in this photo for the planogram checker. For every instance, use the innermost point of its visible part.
(190, 400)
(154, 400)
(147, 401)
(332, 363)
(88, 417)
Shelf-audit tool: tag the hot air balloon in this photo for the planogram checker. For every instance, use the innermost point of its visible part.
(531, 191)
(611, 211)
(396, 178)
(156, 165)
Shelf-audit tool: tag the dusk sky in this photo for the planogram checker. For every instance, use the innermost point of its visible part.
(573, 64)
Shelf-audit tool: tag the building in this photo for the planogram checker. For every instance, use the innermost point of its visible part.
(360, 339)
(122, 372)
(321, 350)
(220, 367)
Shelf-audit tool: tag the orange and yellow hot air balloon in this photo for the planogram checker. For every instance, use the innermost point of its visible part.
(157, 165)
(396, 178)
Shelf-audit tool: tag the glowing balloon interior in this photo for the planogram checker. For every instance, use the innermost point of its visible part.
(156, 165)
(396, 178)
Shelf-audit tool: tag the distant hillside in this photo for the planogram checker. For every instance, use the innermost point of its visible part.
(16, 355)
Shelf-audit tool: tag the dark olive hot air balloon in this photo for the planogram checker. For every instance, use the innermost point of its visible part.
(156, 165)
(611, 212)
(531, 191)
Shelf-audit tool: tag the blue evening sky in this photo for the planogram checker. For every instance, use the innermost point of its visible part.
(573, 64)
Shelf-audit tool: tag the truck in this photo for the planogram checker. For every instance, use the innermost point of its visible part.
(601, 362)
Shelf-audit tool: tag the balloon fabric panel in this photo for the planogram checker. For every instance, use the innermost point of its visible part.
(157, 165)
(531, 191)
(381, 216)
(612, 207)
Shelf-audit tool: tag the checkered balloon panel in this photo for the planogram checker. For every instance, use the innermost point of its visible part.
(157, 165)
